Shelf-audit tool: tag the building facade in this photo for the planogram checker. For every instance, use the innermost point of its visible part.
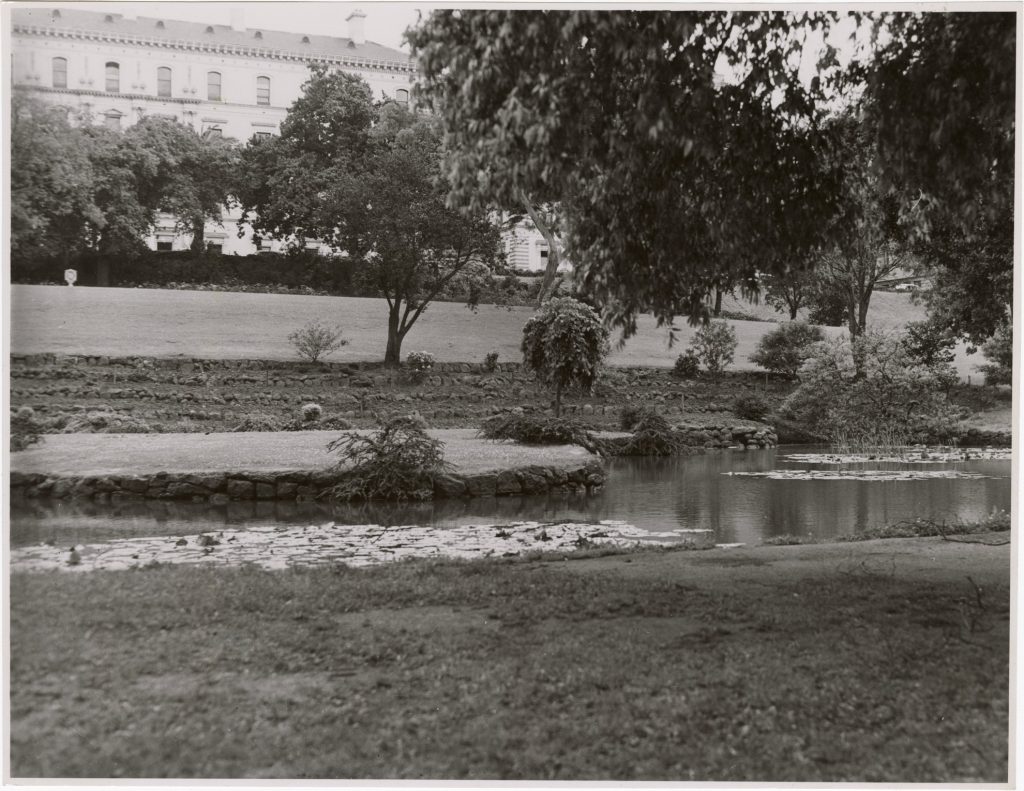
(228, 80)
(219, 79)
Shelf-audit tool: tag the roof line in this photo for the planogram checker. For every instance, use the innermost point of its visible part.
(222, 48)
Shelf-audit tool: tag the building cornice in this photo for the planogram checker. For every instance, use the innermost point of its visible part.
(215, 48)
(109, 94)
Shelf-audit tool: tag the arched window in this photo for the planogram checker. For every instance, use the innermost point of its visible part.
(112, 120)
(213, 86)
(113, 77)
(263, 90)
(402, 96)
(163, 81)
(60, 72)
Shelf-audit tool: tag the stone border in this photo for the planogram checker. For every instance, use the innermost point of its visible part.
(293, 485)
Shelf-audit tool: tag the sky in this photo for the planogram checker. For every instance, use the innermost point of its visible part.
(384, 24)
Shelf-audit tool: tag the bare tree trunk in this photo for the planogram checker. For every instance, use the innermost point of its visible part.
(718, 302)
(198, 235)
(393, 355)
(553, 249)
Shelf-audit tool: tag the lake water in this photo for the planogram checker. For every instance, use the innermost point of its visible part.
(727, 492)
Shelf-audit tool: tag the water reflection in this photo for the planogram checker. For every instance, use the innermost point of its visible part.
(651, 494)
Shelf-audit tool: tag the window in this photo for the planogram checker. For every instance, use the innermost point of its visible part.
(257, 34)
(163, 81)
(402, 96)
(60, 72)
(213, 86)
(261, 136)
(112, 120)
(160, 24)
(214, 247)
(263, 90)
(213, 131)
(164, 247)
(113, 78)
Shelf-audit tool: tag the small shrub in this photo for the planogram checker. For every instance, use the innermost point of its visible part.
(316, 340)
(632, 414)
(396, 462)
(312, 413)
(687, 365)
(653, 436)
(491, 361)
(25, 430)
(787, 347)
(536, 430)
(419, 364)
(260, 422)
(751, 407)
(714, 345)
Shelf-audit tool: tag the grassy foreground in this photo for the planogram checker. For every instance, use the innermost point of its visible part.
(878, 661)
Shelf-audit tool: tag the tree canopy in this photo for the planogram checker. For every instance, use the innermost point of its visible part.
(670, 182)
(940, 95)
(365, 178)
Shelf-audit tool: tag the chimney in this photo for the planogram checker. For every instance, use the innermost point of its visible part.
(355, 27)
(238, 17)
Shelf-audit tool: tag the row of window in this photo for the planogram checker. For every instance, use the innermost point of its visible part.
(163, 81)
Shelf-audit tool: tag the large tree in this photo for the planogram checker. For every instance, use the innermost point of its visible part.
(52, 197)
(191, 175)
(365, 178)
(670, 182)
(941, 99)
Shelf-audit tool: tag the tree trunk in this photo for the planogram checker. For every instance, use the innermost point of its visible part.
(198, 235)
(102, 271)
(553, 251)
(558, 400)
(393, 355)
(792, 312)
(718, 302)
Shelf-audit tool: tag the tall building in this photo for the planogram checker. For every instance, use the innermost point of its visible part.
(228, 80)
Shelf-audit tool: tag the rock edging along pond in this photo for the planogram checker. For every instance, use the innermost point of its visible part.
(293, 485)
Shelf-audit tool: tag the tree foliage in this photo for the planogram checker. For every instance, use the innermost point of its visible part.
(365, 179)
(714, 345)
(998, 350)
(78, 187)
(889, 399)
(564, 344)
(785, 349)
(941, 99)
(190, 175)
(670, 183)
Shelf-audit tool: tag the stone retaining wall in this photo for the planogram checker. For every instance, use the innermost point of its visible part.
(300, 486)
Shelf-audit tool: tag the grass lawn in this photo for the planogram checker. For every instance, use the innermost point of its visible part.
(878, 661)
(166, 323)
(143, 454)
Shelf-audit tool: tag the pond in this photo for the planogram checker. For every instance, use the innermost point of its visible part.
(742, 497)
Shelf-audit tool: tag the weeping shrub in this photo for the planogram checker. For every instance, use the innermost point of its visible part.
(653, 436)
(398, 461)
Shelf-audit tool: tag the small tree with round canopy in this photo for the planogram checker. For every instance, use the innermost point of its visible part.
(564, 345)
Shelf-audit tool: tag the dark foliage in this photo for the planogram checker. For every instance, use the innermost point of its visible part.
(653, 436)
(398, 461)
(536, 430)
(687, 365)
(751, 407)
